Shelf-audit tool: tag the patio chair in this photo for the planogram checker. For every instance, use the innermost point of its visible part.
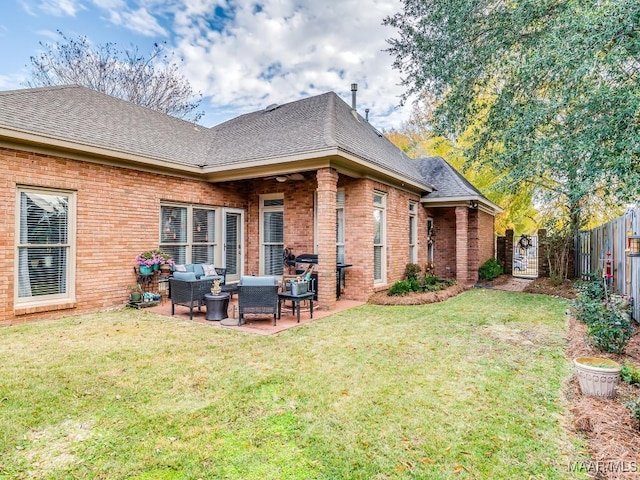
(186, 290)
(257, 295)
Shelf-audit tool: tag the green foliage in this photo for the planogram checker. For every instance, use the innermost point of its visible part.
(630, 373)
(412, 271)
(490, 269)
(403, 287)
(634, 408)
(547, 90)
(607, 317)
(431, 284)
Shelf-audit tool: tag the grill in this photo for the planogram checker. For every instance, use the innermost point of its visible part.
(312, 258)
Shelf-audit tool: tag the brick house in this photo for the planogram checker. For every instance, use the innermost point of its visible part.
(90, 181)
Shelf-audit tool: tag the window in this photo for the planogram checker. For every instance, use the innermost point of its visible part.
(379, 250)
(413, 232)
(430, 239)
(188, 233)
(272, 234)
(340, 226)
(45, 252)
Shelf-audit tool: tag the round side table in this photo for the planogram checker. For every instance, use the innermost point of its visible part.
(216, 306)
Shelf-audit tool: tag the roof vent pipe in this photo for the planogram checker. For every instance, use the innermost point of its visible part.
(354, 89)
(366, 113)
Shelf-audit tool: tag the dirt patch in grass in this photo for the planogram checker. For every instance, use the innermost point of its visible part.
(416, 298)
(613, 434)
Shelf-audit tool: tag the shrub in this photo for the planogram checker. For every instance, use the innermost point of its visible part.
(591, 288)
(612, 331)
(490, 269)
(400, 288)
(412, 271)
(634, 408)
(630, 373)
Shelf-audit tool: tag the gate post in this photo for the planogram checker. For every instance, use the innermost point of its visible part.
(508, 252)
(543, 264)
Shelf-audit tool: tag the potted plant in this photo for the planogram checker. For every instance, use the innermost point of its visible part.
(597, 376)
(146, 261)
(135, 293)
(166, 262)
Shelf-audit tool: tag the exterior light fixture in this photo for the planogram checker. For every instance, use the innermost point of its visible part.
(281, 179)
(633, 242)
(473, 204)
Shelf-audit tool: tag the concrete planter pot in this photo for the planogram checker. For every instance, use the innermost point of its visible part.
(598, 377)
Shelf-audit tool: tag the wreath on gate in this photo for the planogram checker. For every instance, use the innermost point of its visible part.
(525, 242)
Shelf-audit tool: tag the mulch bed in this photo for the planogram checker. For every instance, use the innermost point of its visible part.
(416, 298)
(612, 434)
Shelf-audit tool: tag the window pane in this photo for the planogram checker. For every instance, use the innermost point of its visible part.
(340, 226)
(377, 226)
(177, 252)
(202, 254)
(273, 227)
(273, 260)
(377, 263)
(204, 222)
(174, 224)
(43, 218)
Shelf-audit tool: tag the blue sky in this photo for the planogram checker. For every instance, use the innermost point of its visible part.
(242, 55)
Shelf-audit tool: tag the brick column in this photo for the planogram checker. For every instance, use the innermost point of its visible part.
(473, 254)
(462, 245)
(327, 188)
(508, 252)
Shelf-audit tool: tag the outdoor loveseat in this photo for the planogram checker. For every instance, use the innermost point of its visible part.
(186, 289)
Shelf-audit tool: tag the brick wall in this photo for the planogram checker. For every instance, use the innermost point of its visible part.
(117, 218)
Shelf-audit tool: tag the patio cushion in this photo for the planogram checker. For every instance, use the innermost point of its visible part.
(209, 270)
(197, 269)
(180, 268)
(259, 281)
(184, 275)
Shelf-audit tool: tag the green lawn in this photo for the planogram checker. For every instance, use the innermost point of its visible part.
(466, 389)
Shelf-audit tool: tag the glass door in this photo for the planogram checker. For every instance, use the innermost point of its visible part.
(233, 245)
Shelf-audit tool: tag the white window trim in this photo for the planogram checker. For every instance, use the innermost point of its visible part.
(263, 209)
(217, 254)
(382, 207)
(57, 299)
(413, 232)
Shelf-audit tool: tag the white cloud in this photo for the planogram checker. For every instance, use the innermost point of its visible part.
(60, 8)
(142, 22)
(286, 50)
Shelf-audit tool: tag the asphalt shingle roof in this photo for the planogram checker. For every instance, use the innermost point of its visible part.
(322, 123)
(446, 179)
(81, 115)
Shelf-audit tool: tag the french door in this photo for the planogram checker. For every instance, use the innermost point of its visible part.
(233, 243)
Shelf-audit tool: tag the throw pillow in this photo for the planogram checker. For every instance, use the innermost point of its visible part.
(209, 270)
(181, 268)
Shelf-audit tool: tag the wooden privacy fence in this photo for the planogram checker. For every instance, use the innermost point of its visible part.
(610, 242)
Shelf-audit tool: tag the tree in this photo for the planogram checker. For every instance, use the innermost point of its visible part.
(151, 81)
(548, 91)
(417, 139)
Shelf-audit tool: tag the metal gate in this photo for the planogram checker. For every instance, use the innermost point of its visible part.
(525, 256)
